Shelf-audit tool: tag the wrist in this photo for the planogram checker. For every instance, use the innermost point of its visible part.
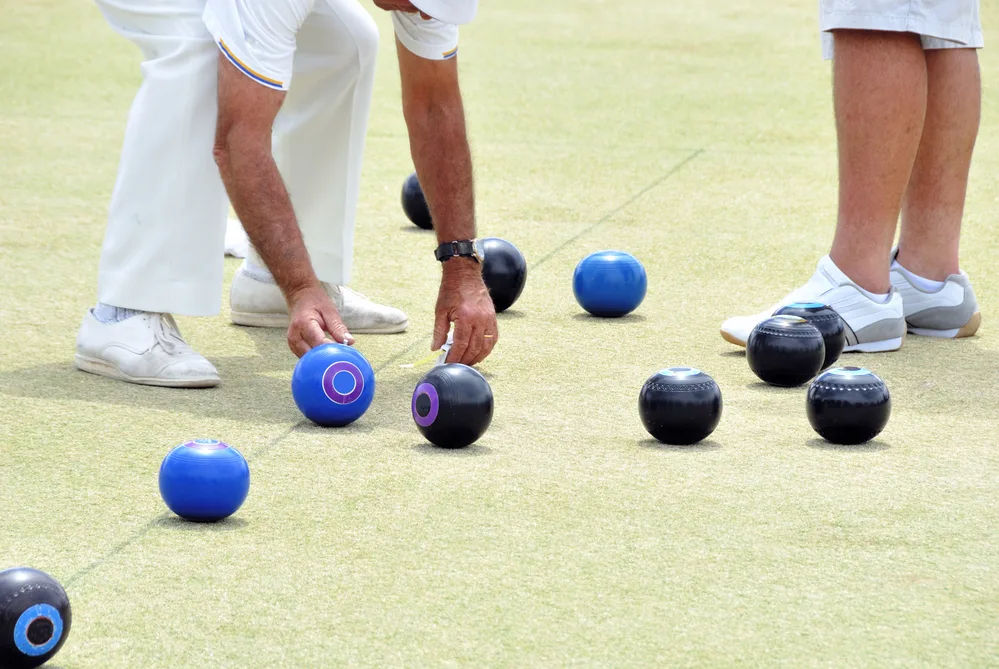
(295, 291)
(462, 266)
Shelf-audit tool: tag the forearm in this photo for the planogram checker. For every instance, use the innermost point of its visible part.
(443, 161)
(261, 201)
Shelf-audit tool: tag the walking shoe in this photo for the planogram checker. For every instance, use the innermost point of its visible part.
(146, 349)
(950, 311)
(260, 304)
(870, 326)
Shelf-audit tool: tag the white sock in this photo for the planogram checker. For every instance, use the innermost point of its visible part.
(880, 298)
(254, 265)
(922, 283)
(107, 313)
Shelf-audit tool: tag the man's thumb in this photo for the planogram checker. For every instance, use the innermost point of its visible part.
(337, 329)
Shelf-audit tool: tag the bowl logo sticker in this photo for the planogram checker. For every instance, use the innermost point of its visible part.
(206, 444)
(38, 630)
(343, 383)
(680, 372)
(426, 405)
(850, 371)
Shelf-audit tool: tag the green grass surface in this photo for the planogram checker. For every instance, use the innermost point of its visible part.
(698, 136)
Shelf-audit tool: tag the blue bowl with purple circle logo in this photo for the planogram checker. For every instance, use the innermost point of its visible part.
(204, 480)
(333, 385)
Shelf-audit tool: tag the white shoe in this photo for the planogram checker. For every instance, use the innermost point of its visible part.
(870, 326)
(146, 348)
(950, 311)
(237, 244)
(260, 304)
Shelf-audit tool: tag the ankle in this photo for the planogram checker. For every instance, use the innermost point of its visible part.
(108, 313)
(931, 266)
(872, 277)
(256, 271)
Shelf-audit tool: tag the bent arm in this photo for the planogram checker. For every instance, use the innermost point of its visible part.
(243, 153)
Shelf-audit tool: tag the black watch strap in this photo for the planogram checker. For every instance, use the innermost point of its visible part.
(448, 250)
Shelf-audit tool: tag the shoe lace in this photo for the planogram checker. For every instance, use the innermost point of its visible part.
(168, 334)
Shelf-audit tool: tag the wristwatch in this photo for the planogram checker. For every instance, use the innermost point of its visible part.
(466, 248)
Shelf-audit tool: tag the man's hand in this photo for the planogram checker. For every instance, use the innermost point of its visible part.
(251, 178)
(313, 314)
(400, 6)
(464, 300)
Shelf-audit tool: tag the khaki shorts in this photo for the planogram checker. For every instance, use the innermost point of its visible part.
(940, 24)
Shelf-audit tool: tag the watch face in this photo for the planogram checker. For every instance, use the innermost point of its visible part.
(477, 247)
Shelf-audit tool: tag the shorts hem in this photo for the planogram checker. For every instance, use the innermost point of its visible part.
(933, 35)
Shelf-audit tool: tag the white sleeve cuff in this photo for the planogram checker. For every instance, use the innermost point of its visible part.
(258, 36)
(427, 38)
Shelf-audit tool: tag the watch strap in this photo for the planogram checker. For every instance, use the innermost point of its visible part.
(463, 248)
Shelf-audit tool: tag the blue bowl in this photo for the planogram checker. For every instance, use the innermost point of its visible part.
(609, 284)
(333, 385)
(204, 480)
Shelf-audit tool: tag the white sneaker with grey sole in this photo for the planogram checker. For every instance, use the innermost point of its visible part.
(260, 304)
(871, 326)
(146, 349)
(950, 311)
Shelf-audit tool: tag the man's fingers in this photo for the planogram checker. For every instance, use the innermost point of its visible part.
(475, 342)
(461, 335)
(441, 327)
(488, 342)
(296, 341)
(335, 326)
(313, 334)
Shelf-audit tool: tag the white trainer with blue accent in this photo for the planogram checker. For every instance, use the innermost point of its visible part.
(871, 326)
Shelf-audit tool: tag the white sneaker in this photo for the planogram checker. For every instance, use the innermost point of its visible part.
(870, 326)
(146, 348)
(260, 304)
(950, 311)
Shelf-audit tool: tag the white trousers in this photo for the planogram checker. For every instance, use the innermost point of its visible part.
(164, 246)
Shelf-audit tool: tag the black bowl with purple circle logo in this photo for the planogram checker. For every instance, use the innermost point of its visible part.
(452, 406)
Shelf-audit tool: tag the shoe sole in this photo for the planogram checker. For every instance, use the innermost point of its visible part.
(257, 320)
(867, 347)
(106, 369)
(969, 329)
(882, 346)
(732, 339)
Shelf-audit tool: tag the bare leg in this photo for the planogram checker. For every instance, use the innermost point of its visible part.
(879, 92)
(934, 200)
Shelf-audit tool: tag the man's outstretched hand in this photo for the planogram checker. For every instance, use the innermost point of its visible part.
(313, 314)
(464, 300)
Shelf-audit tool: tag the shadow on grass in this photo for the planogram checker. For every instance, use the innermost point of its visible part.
(253, 386)
(472, 451)
(866, 447)
(629, 318)
(760, 385)
(511, 315)
(248, 386)
(655, 445)
(738, 353)
(178, 524)
(359, 426)
(413, 227)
